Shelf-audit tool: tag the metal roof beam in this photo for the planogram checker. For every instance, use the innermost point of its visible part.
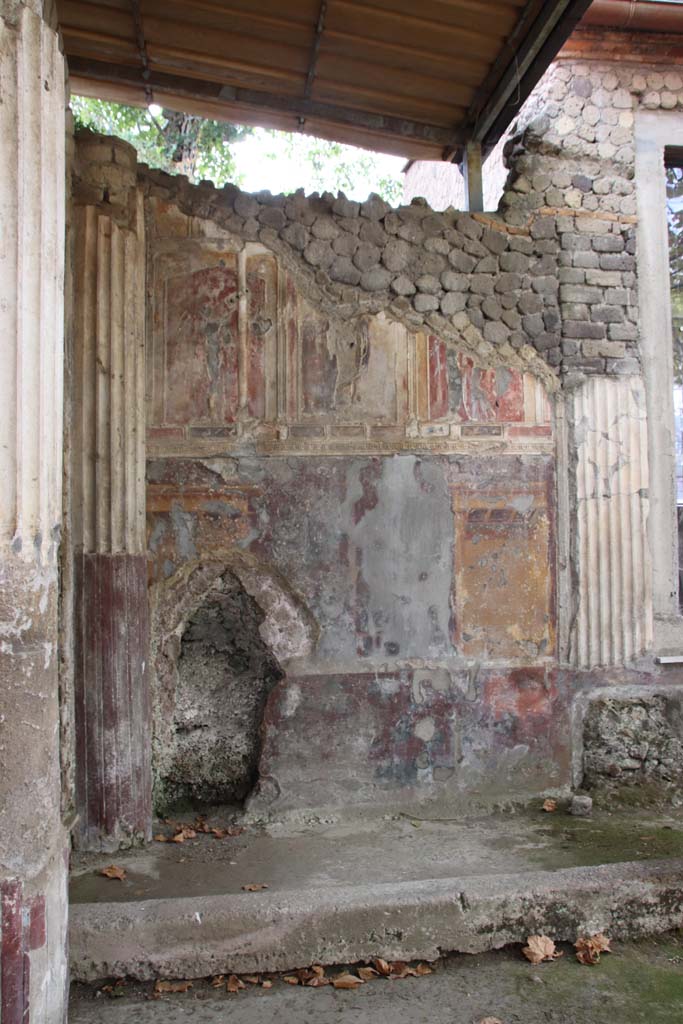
(252, 101)
(315, 49)
(548, 25)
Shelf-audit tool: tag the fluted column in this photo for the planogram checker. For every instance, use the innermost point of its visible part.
(613, 620)
(33, 840)
(113, 784)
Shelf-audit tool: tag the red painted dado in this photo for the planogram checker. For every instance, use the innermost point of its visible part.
(113, 786)
(416, 734)
(14, 974)
(22, 931)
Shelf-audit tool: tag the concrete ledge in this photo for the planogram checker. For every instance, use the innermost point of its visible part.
(195, 937)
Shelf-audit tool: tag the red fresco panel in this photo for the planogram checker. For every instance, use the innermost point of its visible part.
(318, 367)
(37, 934)
(292, 321)
(262, 321)
(201, 347)
(494, 395)
(438, 378)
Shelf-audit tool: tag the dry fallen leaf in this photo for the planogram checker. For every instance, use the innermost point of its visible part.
(347, 981)
(161, 838)
(314, 977)
(185, 833)
(367, 973)
(218, 981)
(589, 948)
(601, 942)
(114, 872)
(400, 969)
(254, 887)
(233, 984)
(490, 1020)
(251, 979)
(318, 982)
(267, 983)
(540, 948)
(115, 990)
(290, 979)
(172, 986)
(550, 805)
(423, 969)
(382, 967)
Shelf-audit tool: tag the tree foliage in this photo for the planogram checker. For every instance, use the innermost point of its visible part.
(172, 141)
(186, 144)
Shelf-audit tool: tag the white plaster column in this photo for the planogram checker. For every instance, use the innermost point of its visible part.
(654, 130)
(113, 761)
(109, 352)
(33, 841)
(613, 615)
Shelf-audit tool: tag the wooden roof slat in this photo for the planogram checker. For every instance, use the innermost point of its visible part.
(376, 23)
(474, 15)
(78, 16)
(122, 6)
(398, 82)
(233, 46)
(281, 16)
(223, 71)
(207, 18)
(377, 101)
(402, 55)
(80, 44)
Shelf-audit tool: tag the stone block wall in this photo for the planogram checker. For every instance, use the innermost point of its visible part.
(537, 285)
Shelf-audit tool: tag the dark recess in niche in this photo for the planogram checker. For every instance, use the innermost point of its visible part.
(225, 674)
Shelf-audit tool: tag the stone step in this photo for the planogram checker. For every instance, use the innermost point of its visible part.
(397, 889)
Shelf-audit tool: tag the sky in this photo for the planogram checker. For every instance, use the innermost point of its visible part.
(264, 160)
(279, 162)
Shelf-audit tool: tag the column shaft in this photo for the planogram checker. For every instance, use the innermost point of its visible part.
(33, 840)
(113, 781)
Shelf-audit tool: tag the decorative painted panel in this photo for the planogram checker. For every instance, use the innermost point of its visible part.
(504, 595)
(240, 354)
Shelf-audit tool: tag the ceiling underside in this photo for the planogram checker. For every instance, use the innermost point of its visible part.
(419, 79)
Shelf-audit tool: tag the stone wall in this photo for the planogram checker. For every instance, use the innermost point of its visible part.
(548, 287)
(633, 748)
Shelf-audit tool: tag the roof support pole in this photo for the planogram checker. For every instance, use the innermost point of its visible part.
(472, 173)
